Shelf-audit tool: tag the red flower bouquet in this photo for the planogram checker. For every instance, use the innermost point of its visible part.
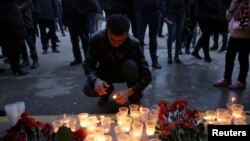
(27, 129)
(178, 123)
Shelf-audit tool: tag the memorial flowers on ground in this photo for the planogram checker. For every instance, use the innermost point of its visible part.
(28, 129)
(176, 122)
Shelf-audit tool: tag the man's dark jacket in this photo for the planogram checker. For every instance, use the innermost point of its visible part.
(103, 58)
(11, 25)
(74, 11)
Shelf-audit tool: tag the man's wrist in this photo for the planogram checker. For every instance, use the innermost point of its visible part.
(130, 92)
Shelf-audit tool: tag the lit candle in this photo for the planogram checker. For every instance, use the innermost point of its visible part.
(237, 110)
(150, 127)
(114, 96)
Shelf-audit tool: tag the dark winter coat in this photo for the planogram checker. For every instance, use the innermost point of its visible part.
(123, 7)
(47, 9)
(25, 8)
(11, 25)
(77, 10)
(109, 59)
(149, 5)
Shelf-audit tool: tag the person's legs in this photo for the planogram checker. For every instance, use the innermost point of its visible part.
(216, 41)
(230, 57)
(243, 56)
(130, 72)
(180, 19)
(171, 35)
(224, 42)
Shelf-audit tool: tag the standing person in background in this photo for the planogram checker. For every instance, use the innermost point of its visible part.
(239, 43)
(95, 18)
(48, 12)
(211, 19)
(12, 33)
(75, 16)
(148, 13)
(24, 6)
(176, 12)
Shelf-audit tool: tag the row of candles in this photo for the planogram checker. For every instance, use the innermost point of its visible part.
(131, 122)
(233, 114)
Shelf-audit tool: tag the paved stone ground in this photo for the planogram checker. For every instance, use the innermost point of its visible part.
(56, 87)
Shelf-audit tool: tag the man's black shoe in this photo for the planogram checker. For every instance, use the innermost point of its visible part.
(75, 63)
(55, 51)
(214, 48)
(2, 113)
(161, 36)
(156, 65)
(103, 101)
(196, 55)
(208, 59)
(222, 50)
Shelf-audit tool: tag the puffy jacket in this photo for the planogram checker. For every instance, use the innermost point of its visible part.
(102, 58)
(234, 27)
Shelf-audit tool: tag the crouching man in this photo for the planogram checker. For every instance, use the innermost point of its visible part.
(115, 57)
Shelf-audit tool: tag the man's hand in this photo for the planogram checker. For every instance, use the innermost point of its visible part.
(122, 96)
(101, 87)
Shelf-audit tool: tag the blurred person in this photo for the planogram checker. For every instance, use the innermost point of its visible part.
(48, 13)
(176, 14)
(115, 57)
(12, 33)
(148, 13)
(25, 8)
(239, 42)
(211, 19)
(75, 17)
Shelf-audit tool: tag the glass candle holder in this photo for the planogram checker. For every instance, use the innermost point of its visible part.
(120, 118)
(136, 115)
(210, 116)
(127, 124)
(106, 124)
(220, 112)
(134, 136)
(237, 110)
(71, 123)
(83, 119)
(124, 110)
(57, 124)
(226, 119)
(150, 127)
(119, 130)
(144, 113)
(133, 107)
(154, 140)
(91, 137)
(123, 137)
(239, 122)
(138, 127)
(108, 138)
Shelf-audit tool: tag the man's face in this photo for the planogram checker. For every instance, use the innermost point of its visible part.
(115, 40)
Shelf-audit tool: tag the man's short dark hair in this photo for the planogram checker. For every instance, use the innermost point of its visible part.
(117, 24)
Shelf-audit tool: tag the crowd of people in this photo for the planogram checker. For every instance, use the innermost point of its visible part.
(25, 20)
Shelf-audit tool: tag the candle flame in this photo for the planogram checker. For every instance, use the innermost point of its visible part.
(114, 96)
(233, 99)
